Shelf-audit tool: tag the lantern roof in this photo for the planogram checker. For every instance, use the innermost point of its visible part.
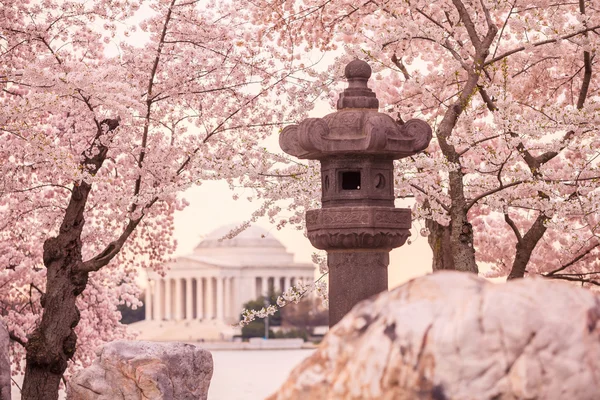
(357, 128)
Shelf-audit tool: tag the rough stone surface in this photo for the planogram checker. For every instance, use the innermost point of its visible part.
(144, 370)
(453, 335)
(4, 363)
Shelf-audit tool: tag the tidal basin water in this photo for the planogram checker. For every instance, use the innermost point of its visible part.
(251, 374)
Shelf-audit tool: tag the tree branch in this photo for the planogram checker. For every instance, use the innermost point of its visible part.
(513, 226)
(543, 42)
(469, 25)
(492, 191)
(573, 261)
(110, 251)
(575, 279)
(16, 339)
(445, 207)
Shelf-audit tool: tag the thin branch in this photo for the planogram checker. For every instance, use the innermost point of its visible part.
(513, 226)
(492, 191)
(112, 249)
(537, 44)
(429, 195)
(573, 261)
(575, 279)
(512, 7)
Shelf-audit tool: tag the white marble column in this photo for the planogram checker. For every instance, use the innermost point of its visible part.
(188, 299)
(199, 299)
(277, 284)
(264, 286)
(210, 313)
(148, 301)
(178, 300)
(235, 312)
(220, 298)
(226, 297)
(168, 300)
(157, 300)
(288, 283)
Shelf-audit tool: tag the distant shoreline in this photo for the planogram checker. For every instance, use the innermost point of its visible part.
(256, 344)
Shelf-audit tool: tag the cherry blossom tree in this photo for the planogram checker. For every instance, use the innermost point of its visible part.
(95, 148)
(510, 181)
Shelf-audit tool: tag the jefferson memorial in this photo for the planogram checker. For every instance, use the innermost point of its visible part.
(203, 293)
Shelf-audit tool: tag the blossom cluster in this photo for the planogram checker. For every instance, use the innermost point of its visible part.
(293, 294)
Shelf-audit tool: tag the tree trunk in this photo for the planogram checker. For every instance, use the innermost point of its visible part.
(461, 231)
(439, 241)
(452, 245)
(526, 245)
(52, 343)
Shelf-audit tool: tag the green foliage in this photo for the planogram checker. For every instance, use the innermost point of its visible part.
(258, 304)
(256, 328)
(292, 334)
(304, 315)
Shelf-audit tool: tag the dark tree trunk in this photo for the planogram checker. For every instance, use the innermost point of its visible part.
(452, 245)
(439, 241)
(53, 342)
(461, 231)
(526, 245)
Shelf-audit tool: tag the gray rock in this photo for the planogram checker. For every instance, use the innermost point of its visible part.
(453, 335)
(4, 363)
(144, 370)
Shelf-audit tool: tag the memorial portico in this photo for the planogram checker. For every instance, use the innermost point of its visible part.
(220, 276)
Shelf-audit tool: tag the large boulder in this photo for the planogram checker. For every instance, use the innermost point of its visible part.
(4, 363)
(453, 335)
(144, 371)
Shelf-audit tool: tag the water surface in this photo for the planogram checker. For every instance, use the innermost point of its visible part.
(251, 374)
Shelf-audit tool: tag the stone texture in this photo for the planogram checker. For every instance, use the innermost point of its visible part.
(4, 363)
(453, 335)
(348, 283)
(144, 370)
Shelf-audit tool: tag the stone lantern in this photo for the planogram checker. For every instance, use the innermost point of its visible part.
(358, 224)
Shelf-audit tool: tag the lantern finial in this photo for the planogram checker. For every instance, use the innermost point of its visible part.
(358, 94)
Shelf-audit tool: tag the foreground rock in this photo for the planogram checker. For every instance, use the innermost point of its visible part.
(144, 370)
(4, 363)
(453, 335)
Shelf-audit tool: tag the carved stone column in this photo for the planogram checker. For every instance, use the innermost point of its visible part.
(347, 282)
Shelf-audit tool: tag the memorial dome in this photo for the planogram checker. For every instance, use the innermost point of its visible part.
(254, 236)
